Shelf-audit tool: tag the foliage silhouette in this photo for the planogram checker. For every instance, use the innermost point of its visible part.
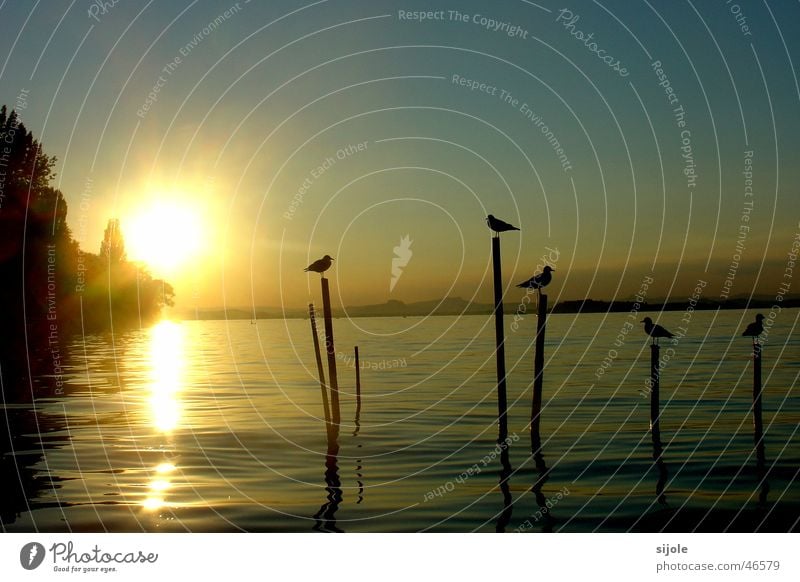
(51, 287)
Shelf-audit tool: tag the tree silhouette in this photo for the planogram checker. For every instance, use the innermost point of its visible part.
(113, 245)
(49, 284)
(125, 291)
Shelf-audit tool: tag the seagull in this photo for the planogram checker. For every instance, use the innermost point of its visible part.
(755, 329)
(538, 281)
(654, 330)
(498, 225)
(320, 265)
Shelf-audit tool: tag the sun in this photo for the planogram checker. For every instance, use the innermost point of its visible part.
(166, 235)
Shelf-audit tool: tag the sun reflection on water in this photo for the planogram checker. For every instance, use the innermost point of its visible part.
(167, 364)
(165, 468)
(166, 370)
(153, 503)
(158, 486)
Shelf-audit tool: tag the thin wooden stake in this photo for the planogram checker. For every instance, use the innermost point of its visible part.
(758, 421)
(502, 402)
(320, 371)
(538, 378)
(331, 350)
(655, 380)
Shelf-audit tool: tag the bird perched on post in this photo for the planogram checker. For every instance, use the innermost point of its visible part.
(320, 265)
(654, 330)
(539, 280)
(755, 329)
(498, 225)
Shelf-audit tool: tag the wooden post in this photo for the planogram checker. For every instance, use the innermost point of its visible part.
(655, 376)
(655, 428)
(331, 349)
(358, 386)
(502, 402)
(320, 371)
(538, 376)
(758, 423)
(356, 430)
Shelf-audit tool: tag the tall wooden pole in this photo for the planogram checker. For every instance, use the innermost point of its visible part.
(502, 402)
(320, 371)
(357, 422)
(538, 377)
(655, 377)
(758, 423)
(331, 349)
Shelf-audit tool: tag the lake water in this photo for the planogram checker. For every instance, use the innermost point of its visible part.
(218, 426)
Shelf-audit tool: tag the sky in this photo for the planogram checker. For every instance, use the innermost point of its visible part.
(629, 141)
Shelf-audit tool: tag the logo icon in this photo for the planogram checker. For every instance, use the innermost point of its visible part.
(31, 555)
(402, 255)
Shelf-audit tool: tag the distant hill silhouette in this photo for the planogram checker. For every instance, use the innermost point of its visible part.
(459, 306)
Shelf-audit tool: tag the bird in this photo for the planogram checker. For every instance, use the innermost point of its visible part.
(540, 280)
(654, 330)
(320, 265)
(755, 329)
(498, 225)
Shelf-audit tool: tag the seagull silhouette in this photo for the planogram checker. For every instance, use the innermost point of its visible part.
(755, 329)
(540, 280)
(654, 330)
(498, 225)
(320, 265)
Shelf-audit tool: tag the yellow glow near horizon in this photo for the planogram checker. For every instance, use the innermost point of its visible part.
(167, 234)
(166, 369)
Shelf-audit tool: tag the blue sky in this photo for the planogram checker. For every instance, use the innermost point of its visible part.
(261, 99)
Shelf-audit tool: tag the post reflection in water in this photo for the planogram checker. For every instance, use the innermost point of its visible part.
(167, 364)
(505, 475)
(763, 480)
(658, 457)
(359, 461)
(762, 474)
(325, 518)
(541, 498)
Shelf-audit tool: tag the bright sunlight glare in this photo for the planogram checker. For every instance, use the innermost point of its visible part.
(166, 235)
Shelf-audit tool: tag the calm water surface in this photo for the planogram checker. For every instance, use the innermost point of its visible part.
(218, 426)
